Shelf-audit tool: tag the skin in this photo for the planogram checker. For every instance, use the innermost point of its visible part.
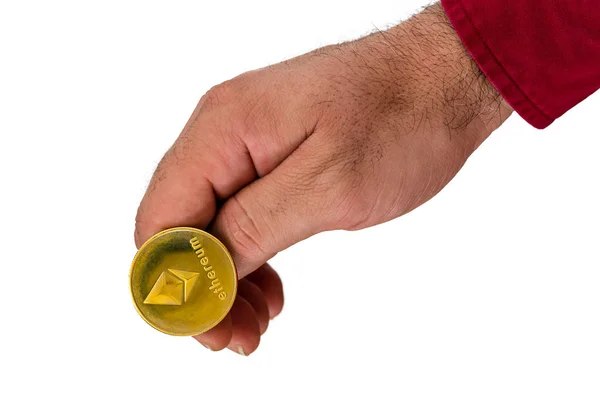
(345, 137)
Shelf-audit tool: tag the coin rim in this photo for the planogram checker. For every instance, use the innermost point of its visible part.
(187, 229)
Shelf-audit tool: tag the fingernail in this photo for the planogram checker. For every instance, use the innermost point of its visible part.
(207, 346)
(240, 350)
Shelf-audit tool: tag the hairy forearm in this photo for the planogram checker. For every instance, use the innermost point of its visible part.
(439, 78)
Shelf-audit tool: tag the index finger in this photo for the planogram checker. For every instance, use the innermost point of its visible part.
(196, 171)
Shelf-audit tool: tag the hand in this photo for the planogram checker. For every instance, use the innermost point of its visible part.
(345, 137)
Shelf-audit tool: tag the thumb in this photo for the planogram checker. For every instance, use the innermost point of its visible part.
(275, 211)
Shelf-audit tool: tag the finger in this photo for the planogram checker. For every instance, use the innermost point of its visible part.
(256, 298)
(209, 160)
(284, 207)
(231, 138)
(271, 287)
(184, 188)
(166, 204)
(218, 337)
(245, 330)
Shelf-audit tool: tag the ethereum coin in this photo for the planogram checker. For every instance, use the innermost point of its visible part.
(183, 281)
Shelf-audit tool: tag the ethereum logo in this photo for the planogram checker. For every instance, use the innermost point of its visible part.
(172, 288)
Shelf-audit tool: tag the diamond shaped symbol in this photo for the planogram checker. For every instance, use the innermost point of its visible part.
(173, 288)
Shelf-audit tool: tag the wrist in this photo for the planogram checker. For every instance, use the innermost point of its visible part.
(441, 77)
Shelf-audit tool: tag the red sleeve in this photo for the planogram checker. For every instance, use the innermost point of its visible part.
(543, 56)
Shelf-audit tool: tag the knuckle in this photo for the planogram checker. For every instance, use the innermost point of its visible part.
(229, 105)
(243, 233)
(219, 96)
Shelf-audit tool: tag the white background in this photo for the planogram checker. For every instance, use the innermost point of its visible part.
(489, 291)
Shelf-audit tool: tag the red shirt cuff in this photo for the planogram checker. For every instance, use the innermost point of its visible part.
(491, 66)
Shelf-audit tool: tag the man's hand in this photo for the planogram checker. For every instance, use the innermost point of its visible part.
(345, 137)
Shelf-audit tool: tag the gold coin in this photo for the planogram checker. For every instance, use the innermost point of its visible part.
(183, 281)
